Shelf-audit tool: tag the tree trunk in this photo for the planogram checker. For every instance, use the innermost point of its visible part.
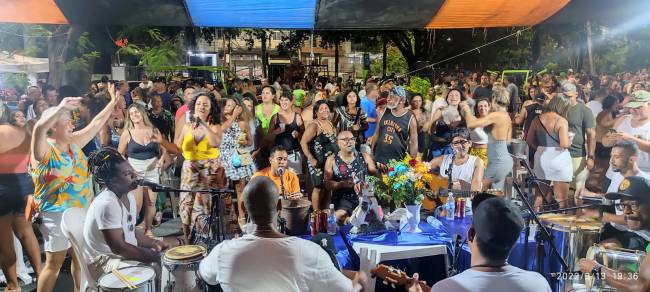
(592, 69)
(384, 57)
(57, 48)
(336, 58)
(536, 48)
(265, 59)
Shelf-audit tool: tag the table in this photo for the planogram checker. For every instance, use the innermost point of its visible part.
(436, 239)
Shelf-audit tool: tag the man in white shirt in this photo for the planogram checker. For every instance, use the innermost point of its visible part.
(596, 103)
(624, 164)
(466, 169)
(112, 241)
(496, 226)
(266, 260)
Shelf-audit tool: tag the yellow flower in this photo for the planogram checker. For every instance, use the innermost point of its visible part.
(419, 184)
(385, 179)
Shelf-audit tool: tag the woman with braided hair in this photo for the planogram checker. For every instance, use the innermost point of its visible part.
(109, 231)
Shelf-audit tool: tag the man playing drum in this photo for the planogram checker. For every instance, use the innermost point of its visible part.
(112, 241)
(634, 193)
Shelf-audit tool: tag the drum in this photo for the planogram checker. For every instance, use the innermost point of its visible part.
(572, 236)
(296, 212)
(623, 260)
(142, 277)
(180, 264)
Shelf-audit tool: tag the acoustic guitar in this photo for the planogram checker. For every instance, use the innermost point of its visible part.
(395, 277)
(439, 192)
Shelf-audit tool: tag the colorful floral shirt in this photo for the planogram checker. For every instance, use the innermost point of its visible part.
(61, 180)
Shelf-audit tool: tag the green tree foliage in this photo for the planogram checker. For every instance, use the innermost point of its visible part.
(84, 55)
(17, 81)
(395, 63)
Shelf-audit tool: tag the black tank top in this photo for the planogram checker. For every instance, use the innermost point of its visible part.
(393, 139)
(137, 151)
(532, 111)
(285, 139)
(343, 171)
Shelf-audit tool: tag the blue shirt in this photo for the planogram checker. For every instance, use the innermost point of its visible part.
(128, 99)
(368, 106)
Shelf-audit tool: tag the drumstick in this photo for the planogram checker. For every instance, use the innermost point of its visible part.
(123, 279)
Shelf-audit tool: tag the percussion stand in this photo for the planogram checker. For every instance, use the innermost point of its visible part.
(541, 236)
(219, 233)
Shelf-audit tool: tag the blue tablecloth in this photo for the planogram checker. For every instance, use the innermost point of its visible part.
(441, 231)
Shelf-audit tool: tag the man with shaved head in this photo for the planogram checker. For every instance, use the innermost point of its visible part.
(267, 260)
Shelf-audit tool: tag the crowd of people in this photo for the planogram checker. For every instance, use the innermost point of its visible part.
(315, 138)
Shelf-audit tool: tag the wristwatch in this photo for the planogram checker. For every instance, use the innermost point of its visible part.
(590, 157)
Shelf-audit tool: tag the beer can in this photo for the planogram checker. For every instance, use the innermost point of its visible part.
(322, 222)
(313, 227)
(460, 208)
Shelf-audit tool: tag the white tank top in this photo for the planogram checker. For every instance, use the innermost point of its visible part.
(642, 132)
(478, 136)
(459, 172)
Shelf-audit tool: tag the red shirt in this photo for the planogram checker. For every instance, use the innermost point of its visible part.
(181, 111)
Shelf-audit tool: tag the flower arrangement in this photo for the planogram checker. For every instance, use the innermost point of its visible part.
(405, 181)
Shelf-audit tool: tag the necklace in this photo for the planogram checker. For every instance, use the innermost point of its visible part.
(489, 266)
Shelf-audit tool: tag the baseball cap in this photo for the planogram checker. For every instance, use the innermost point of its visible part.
(160, 79)
(399, 91)
(639, 98)
(498, 223)
(632, 188)
(326, 242)
(568, 87)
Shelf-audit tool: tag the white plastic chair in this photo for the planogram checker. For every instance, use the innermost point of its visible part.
(372, 254)
(73, 226)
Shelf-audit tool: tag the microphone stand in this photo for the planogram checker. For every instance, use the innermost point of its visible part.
(282, 191)
(282, 222)
(531, 182)
(570, 208)
(541, 236)
(450, 168)
(219, 233)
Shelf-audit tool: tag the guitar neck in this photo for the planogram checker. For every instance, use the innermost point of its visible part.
(461, 194)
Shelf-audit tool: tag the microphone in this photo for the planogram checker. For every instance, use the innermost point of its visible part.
(152, 185)
(598, 200)
(281, 175)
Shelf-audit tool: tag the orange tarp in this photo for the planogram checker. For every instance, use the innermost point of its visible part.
(494, 13)
(31, 11)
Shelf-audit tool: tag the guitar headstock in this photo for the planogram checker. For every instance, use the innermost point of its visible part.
(395, 277)
(392, 275)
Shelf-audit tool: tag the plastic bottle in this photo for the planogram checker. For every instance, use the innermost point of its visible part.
(451, 207)
(331, 222)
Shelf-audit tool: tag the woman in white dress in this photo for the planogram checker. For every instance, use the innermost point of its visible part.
(549, 135)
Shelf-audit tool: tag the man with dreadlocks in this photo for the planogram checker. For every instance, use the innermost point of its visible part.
(112, 240)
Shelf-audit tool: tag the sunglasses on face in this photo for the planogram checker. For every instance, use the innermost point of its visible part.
(632, 206)
(460, 142)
